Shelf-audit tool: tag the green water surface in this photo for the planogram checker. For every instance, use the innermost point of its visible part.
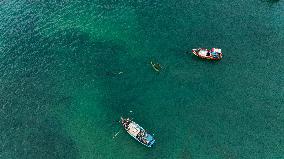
(61, 92)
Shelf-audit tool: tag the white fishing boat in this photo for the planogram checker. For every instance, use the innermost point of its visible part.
(137, 132)
(210, 54)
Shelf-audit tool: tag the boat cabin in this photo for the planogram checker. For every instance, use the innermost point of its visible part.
(204, 53)
(133, 129)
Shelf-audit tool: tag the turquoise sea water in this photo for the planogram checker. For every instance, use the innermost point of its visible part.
(61, 92)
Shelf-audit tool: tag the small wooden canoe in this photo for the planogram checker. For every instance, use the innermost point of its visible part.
(156, 66)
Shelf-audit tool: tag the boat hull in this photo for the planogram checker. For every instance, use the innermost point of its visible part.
(134, 130)
(207, 54)
(150, 145)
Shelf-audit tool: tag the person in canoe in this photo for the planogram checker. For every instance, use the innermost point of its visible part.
(156, 66)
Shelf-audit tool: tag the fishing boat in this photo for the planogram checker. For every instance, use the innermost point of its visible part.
(137, 132)
(210, 54)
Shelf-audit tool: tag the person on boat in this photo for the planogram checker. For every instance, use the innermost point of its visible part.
(143, 133)
(138, 136)
(144, 141)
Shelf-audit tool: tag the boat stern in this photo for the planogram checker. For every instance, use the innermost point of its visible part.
(150, 140)
(216, 53)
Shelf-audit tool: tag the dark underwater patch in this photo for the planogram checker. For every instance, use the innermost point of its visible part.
(27, 95)
(28, 129)
(35, 68)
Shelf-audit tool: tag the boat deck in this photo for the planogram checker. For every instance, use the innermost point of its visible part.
(134, 129)
(202, 52)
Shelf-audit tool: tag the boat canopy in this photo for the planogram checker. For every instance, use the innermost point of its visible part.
(216, 50)
(149, 138)
(133, 129)
(203, 52)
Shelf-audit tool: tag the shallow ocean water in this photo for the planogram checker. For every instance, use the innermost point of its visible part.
(61, 91)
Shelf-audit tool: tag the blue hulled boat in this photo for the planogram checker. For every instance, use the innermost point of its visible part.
(137, 132)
